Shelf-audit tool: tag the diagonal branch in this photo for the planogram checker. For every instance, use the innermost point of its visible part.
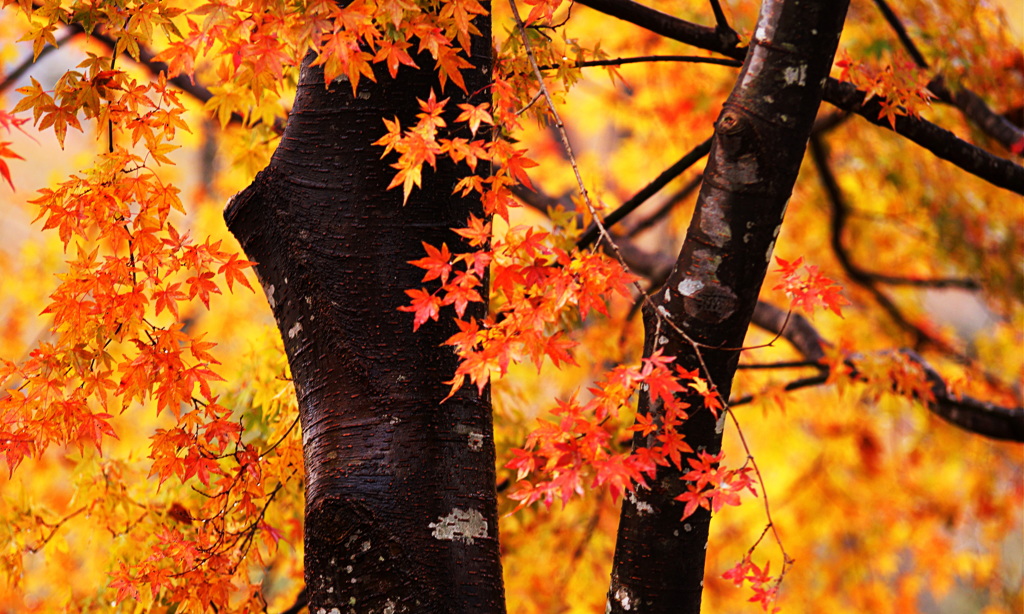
(944, 144)
(972, 105)
(688, 160)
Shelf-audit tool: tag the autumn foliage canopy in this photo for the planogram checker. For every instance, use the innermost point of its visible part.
(149, 436)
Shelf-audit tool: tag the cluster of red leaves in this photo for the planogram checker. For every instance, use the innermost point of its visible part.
(900, 86)
(711, 486)
(809, 290)
(580, 445)
(419, 145)
(535, 286)
(764, 586)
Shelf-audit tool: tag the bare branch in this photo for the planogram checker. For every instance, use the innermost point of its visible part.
(901, 33)
(688, 160)
(11, 77)
(691, 59)
(868, 281)
(666, 207)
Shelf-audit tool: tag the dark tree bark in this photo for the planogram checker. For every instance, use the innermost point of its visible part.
(759, 143)
(400, 489)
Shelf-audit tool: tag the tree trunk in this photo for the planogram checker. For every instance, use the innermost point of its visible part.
(401, 513)
(759, 142)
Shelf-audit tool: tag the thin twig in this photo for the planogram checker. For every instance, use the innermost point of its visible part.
(688, 160)
(690, 59)
(901, 33)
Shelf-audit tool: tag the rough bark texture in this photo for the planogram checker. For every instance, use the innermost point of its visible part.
(711, 294)
(400, 497)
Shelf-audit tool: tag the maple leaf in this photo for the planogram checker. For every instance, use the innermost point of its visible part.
(203, 285)
(437, 263)
(461, 292)
(425, 305)
(475, 115)
(644, 425)
(168, 299)
(5, 171)
(124, 583)
(477, 231)
(811, 290)
(233, 271)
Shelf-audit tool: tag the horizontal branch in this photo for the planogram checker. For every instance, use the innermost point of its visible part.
(689, 59)
(970, 414)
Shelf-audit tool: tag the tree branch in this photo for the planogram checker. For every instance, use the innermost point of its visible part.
(692, 59)
(21, 69)
(688, 160)
(970, 104)
(868, 281)
(944, 144)
(967, 413)
(666, 207)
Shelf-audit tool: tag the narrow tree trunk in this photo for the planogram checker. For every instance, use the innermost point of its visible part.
(400, 502)
(759, 142)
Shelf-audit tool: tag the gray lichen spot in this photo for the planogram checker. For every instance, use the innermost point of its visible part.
(642, 507)
(668, 295)
(476, 441)
(713, 221)
(746, 171)
(330, 589)
(720, 425)
(365, 546)
(363, 95)
(389, 607)
(662, 340)
(270, 296)
(294, 330)
(795, 74)
(687, 527)
(460, 525)
(309, 300)
(712, 304)
(624, 598)
(689, 287)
